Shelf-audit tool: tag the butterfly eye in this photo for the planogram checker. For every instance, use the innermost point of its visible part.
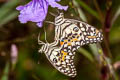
(75, 29)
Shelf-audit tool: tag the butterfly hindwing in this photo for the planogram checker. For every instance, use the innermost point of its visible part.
(62, 60)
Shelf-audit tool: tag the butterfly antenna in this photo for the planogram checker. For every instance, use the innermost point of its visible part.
(52, 14)
(50, 22)
(45, 35)
(39, 41)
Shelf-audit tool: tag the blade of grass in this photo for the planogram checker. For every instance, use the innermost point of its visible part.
(7, 8)
(8, 18)
(8, 12)
(87, 8)
(115, 16)
(6, 71)
(82, 15)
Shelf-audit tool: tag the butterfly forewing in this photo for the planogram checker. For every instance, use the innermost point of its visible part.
(91, 34)
(80, 33)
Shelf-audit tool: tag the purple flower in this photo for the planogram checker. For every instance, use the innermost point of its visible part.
(36, 10)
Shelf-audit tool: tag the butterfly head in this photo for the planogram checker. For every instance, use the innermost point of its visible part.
(59, 19)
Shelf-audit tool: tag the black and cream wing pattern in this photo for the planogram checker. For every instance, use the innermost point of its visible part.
(76, 34)
(61, 58)
(63, 61)
(70, 35)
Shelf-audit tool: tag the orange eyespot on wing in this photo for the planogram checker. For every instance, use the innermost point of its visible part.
(61, 43)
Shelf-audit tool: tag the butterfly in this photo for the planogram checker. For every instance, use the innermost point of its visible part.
(70, 35)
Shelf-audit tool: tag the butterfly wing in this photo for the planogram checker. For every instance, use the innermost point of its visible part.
(75, 34)
(80, 33)
(71, 35)
(91, 34)
(62, 59)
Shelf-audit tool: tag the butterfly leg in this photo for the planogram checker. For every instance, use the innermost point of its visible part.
(50, 22)
(39, 41)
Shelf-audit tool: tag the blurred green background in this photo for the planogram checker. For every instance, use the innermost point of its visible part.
(28, 64)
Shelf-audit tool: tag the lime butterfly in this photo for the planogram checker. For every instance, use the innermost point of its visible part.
(70, 35)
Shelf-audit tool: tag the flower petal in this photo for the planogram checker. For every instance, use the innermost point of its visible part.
(34, 11)
(39, 24)
(57, 0)
(53, 4)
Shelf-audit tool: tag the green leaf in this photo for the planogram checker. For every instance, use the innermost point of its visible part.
(114, 35)
(6, 71)
(94, 49)
(86, 54)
